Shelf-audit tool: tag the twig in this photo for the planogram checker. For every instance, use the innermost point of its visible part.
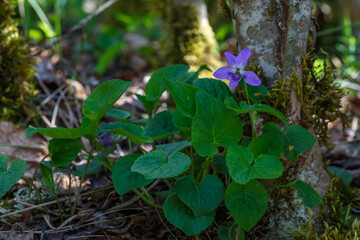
(77, 27)
(46, 120)
(56, 108)
(53, 202)
(22, 146)
(50, 96)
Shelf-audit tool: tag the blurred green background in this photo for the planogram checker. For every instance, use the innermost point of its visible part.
(108, 37)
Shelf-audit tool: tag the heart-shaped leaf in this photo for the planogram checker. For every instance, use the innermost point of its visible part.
(214, 125)
(156, 165)
(214, 87)
(103, 97)
(63, 151)
(244, 108)
(133, 132)
(156, 86)
(243, 167)
(246, 202)
(296, 141)
(124, 179)
(309, 196)
(267, 143)
(201, 199)
(161, 126)
(184, 96)
(180, 215)
(272, 128)
(171, 148)
(9, 177)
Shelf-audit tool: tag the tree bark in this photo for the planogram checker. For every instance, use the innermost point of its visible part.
(277, 32)
(189, 37)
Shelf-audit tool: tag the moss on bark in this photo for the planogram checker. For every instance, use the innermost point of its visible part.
(16, 69)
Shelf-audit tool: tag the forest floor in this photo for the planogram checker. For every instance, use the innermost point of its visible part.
(101, 213)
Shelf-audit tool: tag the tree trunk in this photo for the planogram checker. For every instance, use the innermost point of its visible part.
(189, 37)
(277, 32)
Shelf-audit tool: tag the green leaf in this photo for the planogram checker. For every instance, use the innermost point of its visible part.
(214, 87)
(56, 133)
(118, 114)
(214, 125)
(156, 165)
(272, 128)
(182, 217)
(298, 140)
(9, 177)
(267, 143)
(156, 86)
(256, 93)
(182, 122)
(124, 179)
(244, 108)
(103, 97)
(243, 167)
(47, 176)
(148, 105)
(171, 148)
(161, 126)
(133, 132)
(184, 96)
(93, 168)
(342, 173)
(309, 196)
(247, 203)
(63, 151)
(89, 127)
(202, 199)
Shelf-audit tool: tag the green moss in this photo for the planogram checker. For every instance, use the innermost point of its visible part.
(16, 68)
(339, 223)
(319, 96)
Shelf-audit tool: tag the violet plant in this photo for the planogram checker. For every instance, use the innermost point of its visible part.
(211, 163)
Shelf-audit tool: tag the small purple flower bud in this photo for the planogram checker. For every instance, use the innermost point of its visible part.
(236, 71)
(106, 140)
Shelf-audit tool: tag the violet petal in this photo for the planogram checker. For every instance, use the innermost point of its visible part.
(243, 57)
(231, 59)
(251, 78)
(222, 73)
(233, 81)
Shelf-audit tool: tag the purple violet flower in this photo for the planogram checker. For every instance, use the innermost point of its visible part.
(106, 139)
(236, 70)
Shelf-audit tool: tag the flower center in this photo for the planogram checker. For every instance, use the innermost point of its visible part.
(237, 71)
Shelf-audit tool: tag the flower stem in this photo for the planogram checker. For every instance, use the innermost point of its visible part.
(253, 133)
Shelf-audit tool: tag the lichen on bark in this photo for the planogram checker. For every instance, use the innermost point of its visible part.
(277, 32)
